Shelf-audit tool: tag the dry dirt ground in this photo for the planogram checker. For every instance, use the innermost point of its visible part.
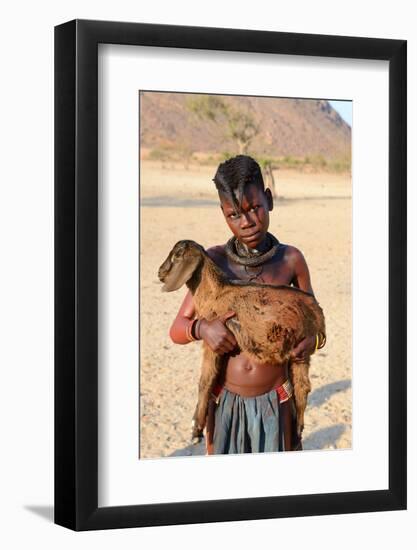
(313, 213)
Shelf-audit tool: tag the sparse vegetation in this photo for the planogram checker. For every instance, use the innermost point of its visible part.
(236, 123)
(182, 154)
(160, 153)
(269, 165)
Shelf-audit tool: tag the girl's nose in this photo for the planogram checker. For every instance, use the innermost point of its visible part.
(245, 220)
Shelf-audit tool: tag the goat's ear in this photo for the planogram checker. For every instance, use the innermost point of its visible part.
(180, 273)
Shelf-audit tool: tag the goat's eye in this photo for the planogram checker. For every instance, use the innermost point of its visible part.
(254, 208)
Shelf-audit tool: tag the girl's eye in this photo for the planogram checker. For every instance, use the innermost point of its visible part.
(254, 208)
(233, 216)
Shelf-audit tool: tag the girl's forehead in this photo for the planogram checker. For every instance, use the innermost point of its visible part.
(251, 193)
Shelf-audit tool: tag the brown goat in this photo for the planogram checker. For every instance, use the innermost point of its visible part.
(269, 322)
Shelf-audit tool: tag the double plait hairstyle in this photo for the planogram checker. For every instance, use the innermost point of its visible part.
(233, 174)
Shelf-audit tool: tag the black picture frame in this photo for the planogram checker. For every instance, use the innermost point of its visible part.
(76, 272)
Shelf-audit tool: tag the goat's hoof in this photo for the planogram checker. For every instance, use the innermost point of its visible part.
(196, 434)
(196, 440)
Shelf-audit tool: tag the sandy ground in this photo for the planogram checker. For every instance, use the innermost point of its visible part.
(313, 213)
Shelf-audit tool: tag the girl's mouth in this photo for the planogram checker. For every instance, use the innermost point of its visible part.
(251, 237)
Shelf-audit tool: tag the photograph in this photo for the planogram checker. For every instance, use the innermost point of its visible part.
(209, 256)
(237, 200)
(245, 303)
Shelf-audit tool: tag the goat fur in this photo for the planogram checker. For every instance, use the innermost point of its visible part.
(270, 321)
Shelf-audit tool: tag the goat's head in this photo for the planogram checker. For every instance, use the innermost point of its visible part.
(179, 267)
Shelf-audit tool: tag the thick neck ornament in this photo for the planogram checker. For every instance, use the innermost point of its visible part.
(243, 255)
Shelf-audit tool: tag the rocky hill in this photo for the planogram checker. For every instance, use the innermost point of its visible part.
(286, 127)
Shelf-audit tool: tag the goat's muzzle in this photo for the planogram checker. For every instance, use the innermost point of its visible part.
(164, 270)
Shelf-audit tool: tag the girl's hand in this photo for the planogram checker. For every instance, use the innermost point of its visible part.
(216, 335)
(303, 350)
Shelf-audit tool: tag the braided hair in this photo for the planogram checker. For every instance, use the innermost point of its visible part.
(233, 174)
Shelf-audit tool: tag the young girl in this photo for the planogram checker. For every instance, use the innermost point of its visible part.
(252, 408)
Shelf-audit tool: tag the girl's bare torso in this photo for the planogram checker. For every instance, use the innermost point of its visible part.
(242, 375)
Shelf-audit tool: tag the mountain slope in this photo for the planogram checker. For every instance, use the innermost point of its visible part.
(287, 127)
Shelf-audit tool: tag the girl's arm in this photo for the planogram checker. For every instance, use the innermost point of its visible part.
(214, 333)
(180, 330)
(302, 280)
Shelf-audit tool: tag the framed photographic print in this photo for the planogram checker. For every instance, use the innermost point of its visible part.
(259, 178)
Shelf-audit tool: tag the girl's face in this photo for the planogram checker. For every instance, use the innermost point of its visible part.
(249, 224)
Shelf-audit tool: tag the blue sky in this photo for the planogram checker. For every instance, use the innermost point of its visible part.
(344, 108)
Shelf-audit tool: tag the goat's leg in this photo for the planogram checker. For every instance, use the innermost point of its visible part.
(299, 375)
(210, 369)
